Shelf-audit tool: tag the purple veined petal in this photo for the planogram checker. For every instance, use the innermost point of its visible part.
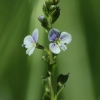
(54, 48)
(63, 47)
(35, 35)
(53, 34)
(29, 51)
(65, 38)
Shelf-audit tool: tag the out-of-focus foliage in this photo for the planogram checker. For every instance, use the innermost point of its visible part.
(20, 75)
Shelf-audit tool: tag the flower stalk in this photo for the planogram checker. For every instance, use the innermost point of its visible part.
(50, 69)
(58, 41)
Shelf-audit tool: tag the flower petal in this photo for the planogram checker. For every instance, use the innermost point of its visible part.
(28, 41)
(27, 44)
(65, 37)
(35, 35)
(54, 48)
(63, 47)
(53, 34)
(28, 38)
(29, 51)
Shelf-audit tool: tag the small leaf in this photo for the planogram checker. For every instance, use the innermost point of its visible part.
(45, 58)
(61, 80)
(46, 97)
(46, 84)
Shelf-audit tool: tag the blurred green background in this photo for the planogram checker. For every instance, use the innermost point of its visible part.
(20, 75)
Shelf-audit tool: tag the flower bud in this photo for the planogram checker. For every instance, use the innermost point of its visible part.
(45, 9)
(43, 21)
(52, 8)
(55, 14)
(40, 18)
(47, 2)
(54, 2)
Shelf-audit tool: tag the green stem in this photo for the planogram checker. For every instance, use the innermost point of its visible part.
(51, 83)
(51, 70)
(51, 73)
(51, 57)
(49, 22)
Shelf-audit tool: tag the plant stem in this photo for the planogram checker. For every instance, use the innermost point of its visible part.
(49, 22)
(51, 83)
(51, 70)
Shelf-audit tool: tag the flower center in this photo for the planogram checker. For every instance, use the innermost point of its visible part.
(57, 41)
(33, 44)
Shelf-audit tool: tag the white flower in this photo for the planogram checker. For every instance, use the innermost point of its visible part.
(58, 40)
(30, 42)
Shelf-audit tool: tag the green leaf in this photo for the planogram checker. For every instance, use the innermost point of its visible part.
(61, 80)
(46, 97)
(46, 58)
(46, 84)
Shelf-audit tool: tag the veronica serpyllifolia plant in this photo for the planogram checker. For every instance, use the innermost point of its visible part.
(58, 41)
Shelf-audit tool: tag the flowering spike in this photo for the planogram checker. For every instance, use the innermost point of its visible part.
(58, 41)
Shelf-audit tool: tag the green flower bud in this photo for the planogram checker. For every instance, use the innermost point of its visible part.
(55, 14)
(52, 8)
(45, 9)
(54, 2)
(48, 3)
(40, 18)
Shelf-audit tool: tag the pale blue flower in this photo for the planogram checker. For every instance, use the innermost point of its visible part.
(30, 42)
(58, 40)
